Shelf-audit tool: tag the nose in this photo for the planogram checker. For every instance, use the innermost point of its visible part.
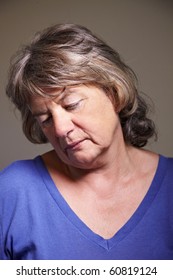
(63, 124)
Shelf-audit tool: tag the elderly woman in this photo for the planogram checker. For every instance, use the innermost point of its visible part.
(98, 194)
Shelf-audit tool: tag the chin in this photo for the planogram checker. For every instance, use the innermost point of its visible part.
(83, 160)
(87, 163)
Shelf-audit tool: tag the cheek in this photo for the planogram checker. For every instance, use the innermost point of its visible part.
(107, 120)
(50, 135)
(102, 130)
(109, 127)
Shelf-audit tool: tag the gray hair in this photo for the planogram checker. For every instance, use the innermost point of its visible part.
(68, 54)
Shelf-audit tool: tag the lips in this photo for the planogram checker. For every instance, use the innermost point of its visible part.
(74, 145)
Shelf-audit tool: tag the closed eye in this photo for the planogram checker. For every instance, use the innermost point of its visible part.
(73, 106)
(47, 121)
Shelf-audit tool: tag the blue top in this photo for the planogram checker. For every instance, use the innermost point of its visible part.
(37, 223)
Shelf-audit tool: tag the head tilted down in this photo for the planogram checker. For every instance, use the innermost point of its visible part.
(65, 55)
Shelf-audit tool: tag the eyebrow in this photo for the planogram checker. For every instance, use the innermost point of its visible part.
(65, 92)
(37, 114)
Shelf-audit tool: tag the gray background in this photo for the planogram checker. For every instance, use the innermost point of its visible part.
(141, 30)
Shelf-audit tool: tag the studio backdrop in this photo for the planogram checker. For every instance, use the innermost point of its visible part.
(140, 30)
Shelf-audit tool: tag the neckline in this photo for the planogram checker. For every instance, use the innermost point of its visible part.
(82, 227)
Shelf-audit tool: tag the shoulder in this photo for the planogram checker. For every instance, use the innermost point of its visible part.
(17, 168)
(170, 161)
(18, 173)
(20, 184)
(165, 177)
(167, 163)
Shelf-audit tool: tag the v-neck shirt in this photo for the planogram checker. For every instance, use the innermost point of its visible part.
(37, 222)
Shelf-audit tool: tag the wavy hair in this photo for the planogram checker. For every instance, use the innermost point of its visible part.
(68, 54)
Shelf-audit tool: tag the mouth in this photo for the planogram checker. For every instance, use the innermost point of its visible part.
(74, 146)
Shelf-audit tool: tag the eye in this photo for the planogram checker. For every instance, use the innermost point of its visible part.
(47, 122)
(73, 106)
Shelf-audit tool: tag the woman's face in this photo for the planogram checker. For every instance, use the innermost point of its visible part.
(81, 124)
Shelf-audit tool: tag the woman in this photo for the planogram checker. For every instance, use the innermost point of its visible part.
(97, 194)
